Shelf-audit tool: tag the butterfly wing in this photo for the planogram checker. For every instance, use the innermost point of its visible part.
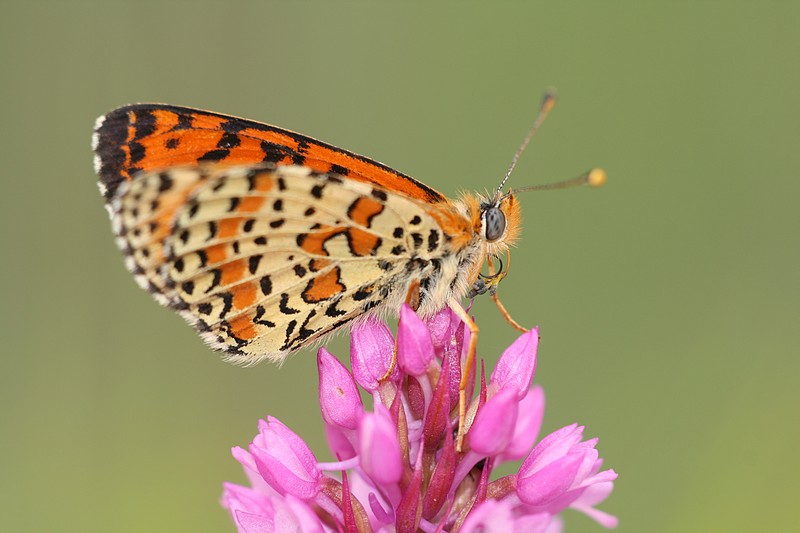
(265, 259)
(149, 137)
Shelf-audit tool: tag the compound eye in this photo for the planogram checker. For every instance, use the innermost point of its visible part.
(495, 223)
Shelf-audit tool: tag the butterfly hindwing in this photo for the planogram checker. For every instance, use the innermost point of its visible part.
(265, 259)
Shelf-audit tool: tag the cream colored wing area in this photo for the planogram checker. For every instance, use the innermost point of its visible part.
(142, 215)
(264, 260)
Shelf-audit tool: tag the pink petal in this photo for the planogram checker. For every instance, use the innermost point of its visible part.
(251, 471)
(339, 443)
(238, 498)
(557, 444)
(251, 523)
(285, 461)
(379, 448)
(440, 328)
(414, 345)
(529, 422)
(537, 523)
(371, 347)
(494, 424)
(339, 399)
(593, 495)
(517, 365)
(491, 516)
(550, 482)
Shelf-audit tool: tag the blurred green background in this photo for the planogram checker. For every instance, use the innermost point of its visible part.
(668, 300)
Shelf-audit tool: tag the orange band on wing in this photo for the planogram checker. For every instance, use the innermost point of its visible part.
(323, 286)
(244, 295)
(363, 209)
(156, 136)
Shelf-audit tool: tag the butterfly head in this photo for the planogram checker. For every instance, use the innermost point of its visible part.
(499, 222)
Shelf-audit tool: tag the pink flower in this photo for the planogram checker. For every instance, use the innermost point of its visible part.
(498, 516)
(285, 461)
(562, 472)
(397, 467)
(253, 512)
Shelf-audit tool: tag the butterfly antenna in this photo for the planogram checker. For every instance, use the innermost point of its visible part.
(548, 102)
(594, 178)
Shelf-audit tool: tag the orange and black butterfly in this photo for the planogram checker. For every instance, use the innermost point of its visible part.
(266, 240)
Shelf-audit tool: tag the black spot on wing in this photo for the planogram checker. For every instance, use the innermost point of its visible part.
(165, 182)
(229, 140)
(363, 293)
(304, 332)
(338, 169)
(214, 155)
(284, 306)
(266, 285)
(333, 311)
(259, 317)
(188, 287)
(216, 277)
(253, 263)
(289, 330)
(227, 304)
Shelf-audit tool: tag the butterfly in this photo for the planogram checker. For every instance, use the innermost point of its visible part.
(267, 241)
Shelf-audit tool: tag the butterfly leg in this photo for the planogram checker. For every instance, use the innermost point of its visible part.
(503, 311)
(412, 299)
(506, 315)
(455, 305)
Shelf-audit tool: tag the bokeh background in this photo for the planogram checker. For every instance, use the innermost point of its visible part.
(668, 300)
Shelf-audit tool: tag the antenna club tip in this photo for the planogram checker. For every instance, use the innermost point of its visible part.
(596, 177)
(549, 100)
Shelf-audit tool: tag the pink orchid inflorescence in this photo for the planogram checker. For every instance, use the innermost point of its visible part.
(398, 467)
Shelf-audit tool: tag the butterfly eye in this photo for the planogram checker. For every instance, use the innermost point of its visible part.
(494, 224)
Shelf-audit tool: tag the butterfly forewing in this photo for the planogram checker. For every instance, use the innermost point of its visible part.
(263, 259)
(149, 137)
